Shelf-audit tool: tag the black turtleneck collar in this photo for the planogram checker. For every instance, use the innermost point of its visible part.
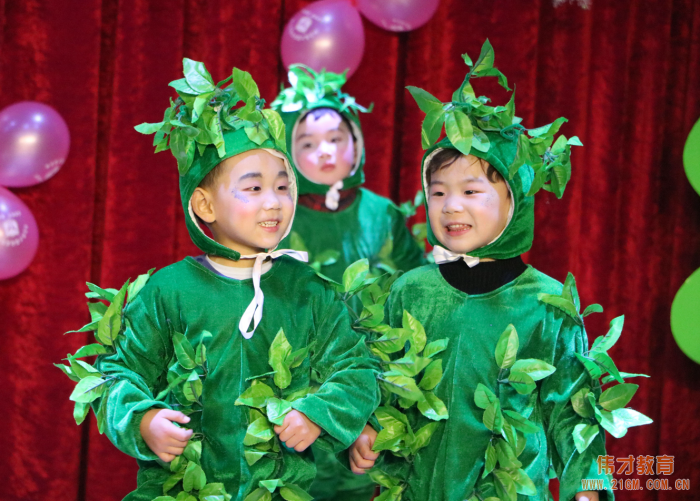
(484, 277)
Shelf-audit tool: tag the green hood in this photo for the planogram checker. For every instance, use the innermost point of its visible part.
(528, 159)
(310, 90)
(202, 128)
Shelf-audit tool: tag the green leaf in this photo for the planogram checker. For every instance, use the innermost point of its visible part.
(435, 347)
(418, 337)
(355, 274)
(372, 315)
(493, 418)
(617, 396)
(432, 127)
(505, 486)
(485, 59)
(483, 397)
(197, 76)
(260, 494)
(90, 350)
(425, 100)
(410, 365)
(276, 127)
(520, 422)
(584, 435)
(88, 389)
(523, 484)
(279, 352)
(594, 308)
(68, 372)
(200, 355)
(392, 341)
(193, 451)
(580, 403)
(422, 436)
(99, 292)
(258, 431)
(384, 479)
(292, 492)
(607, 363)
(402, 386)
(624, 375)
(244, 84)
(213, 489)
(178, 464)
(507, 347)
(459, 131)
(136, 286)
(172, 481)
(431, 376)
(490, 459)
(110, 324)
(256, 396)
(200, 103)
(559, 302)
(277, 409)
(506, 455)
(604, 343)
(522, 382)
(257, 134)
(146, 128)
(80, 412)
(184, 351)
(252, 456)
(608, 421)
(592, 367)
(82, 369)
(296, 358)
(271, 485)
(536, 369)
(432, 407)
(192, 389)
(629, 417)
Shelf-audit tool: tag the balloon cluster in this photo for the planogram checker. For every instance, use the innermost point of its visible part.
(328, 34)
(34, 142)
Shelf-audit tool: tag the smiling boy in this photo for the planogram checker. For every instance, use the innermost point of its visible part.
(239, 183)
(479, 191)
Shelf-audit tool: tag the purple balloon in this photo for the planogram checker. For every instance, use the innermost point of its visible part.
(34, 142)
(19, 235)
(398, 15)
(326, 34)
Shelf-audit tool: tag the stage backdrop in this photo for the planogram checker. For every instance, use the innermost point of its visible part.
(625, 73)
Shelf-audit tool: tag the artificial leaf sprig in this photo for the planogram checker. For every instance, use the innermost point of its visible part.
(316, 261)
(609, 408)
(309, 87)
(267, 408)
(204, 110)
(466, 119)
(507, 426)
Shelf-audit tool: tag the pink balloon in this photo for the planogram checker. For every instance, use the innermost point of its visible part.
(34, 142)
(326, 34)
(398, 15)
(19, 235)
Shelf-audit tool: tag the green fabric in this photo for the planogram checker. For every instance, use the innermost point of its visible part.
(448, 469)
(188, 298)
(357, 178)
(518, 236)
(236, 142)
(359, 231)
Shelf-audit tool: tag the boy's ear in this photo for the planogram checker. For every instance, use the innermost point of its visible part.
(202, 205)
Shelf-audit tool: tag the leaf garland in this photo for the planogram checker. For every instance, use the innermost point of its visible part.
(467, 117)
(203, 111)
(266, 408)
(308, 87)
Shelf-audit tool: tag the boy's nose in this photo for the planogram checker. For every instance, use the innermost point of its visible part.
(452, 205)
(327, 148)
(272, 201)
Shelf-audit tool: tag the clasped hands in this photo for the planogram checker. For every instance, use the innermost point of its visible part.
(167, 440)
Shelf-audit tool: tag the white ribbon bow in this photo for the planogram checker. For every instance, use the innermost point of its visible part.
(333, 195)
(254, 310)
(443, 255)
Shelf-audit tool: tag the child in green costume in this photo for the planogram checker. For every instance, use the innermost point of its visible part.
(508, 420)
(235, 178)
(337, 220)
(335, 213)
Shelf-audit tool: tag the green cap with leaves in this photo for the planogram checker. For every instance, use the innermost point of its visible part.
(528, 159)
(311, 90)
(202, 128)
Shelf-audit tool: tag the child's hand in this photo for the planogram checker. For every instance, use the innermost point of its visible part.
(297, 431)
(362, 457)
(587, 496)
(164, 438)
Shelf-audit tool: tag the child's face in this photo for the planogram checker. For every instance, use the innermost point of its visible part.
(324, 150)
(466, 211)
(251, 204)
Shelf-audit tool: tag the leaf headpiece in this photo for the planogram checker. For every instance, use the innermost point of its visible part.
(467, 119)
(203, 111)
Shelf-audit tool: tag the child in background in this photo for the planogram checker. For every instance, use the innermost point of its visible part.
(236, 179)
(508, 420)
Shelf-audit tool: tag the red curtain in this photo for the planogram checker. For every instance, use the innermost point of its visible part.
(625, 73)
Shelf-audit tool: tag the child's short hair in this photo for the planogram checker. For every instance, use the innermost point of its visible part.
(447, 156)
(212, 177)
(319, 112)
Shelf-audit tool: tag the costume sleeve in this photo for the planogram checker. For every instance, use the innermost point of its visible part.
(560, 418)
(406, 254)
(349, 392)
(139, 363)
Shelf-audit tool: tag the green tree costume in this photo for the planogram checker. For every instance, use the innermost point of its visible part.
(370, 227)
(187, 298)
(481, 394)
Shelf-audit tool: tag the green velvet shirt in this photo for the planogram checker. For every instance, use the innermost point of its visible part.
(188, 298)
(450, 467)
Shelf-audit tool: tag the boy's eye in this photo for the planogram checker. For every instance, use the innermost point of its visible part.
(253, 188)
(437, 194)
(283, 188)
(469, 192)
